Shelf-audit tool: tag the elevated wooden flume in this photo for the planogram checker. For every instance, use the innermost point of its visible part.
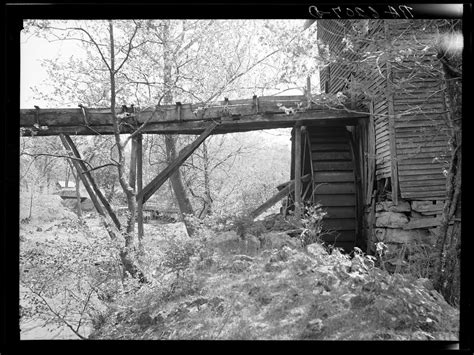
(258, 113)
(215, 118)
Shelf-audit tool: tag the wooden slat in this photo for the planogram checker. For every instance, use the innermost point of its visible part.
(419, 163)
(339, 224)
(336, 200)
(332, 156)
(335, 176)
(332, 165)
(335, 188)
(341, 147)
(340, 237)
(340, 212)
(427, 195)
(420, 150)
(409, 170)
(424, 183)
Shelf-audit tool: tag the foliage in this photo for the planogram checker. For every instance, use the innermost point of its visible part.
(312, 224)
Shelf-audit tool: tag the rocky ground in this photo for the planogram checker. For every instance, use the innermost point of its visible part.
(282, 291)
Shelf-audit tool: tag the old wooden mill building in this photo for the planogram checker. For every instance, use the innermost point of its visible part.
(372, 161)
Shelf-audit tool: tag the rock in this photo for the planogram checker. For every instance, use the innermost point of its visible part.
(316, 249)
(239, 266)
(361, 301)
(391, 219)
(243, 258)
(271, 267)
(391, 235)
(276, 240)
(230, 243)
(281, 255)
(420, 223)
(426, 283)
(315, 325)
(389, 206)
(427, 207)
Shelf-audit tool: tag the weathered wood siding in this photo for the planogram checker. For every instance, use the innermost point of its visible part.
(337, 77)
(419, 103)
(413, 152)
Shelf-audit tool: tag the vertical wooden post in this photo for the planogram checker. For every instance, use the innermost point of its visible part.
(391, 126)
(140, 186)
(298, 185)
(133, 164)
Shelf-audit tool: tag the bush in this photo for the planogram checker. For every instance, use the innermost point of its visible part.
(312, 224)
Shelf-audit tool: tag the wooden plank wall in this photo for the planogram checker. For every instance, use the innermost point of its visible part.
(331, 32)
(419, 102)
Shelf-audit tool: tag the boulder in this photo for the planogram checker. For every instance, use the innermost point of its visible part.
(276, 240)
(316, 249)
(390, 219)
(428, 207)
(389, 206)
(230, 243)
(391, 235)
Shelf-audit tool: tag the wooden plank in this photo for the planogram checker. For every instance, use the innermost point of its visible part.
(332, 156)
(70, 121)
(333, 176)
(155, 184)
(335, 200)
(407, 170)
(335, 188)
(327, 139)
(141, 231)
(298, 162)
(272, 200)
(339, 224)
(428, 195)
(422, 177)
(333, 166)
(89, 182)
(339, 212)
(425, 183)
(133, 164)
(340, 237)
(419, 162)
(340, 147)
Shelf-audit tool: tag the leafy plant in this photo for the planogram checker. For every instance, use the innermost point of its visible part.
(312, 224)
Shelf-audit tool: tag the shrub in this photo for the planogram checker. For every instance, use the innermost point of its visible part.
(312, 224)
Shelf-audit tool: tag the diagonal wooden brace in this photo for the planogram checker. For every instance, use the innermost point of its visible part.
(184, 154)
(88, 181)
(286, 188)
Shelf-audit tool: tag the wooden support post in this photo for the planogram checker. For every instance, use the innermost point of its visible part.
(156, 183)
(391, 126)
(140, 185)
(133, 164)
(298, 185)
(285, 189)
(86, 175)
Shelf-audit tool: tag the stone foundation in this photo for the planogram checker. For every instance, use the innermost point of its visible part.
(407, 229)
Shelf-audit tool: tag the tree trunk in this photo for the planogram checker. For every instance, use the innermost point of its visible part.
(446, 278)
(170, 141)
(78, 196)
(127, 254)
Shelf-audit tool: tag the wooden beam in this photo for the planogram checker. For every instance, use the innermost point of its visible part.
(391, 126)
(79, 171)
(139, 139)
(298, 185)
(70, 121)
(286, 188)
(69, 143)
(156, 183)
